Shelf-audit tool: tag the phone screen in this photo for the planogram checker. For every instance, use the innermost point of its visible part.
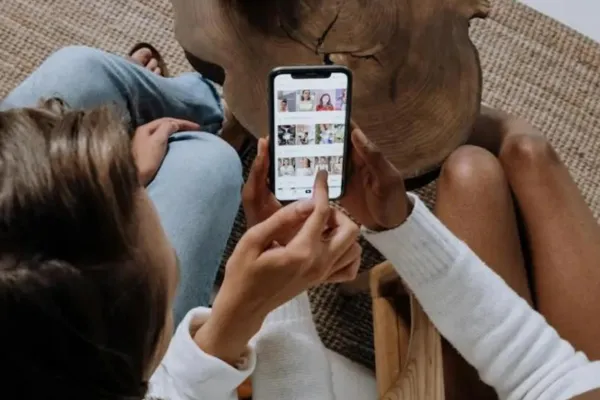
(310, 133)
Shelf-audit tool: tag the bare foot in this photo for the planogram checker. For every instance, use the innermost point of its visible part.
(144, 58)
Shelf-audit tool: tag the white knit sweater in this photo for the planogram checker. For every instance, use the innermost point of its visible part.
(510, 344)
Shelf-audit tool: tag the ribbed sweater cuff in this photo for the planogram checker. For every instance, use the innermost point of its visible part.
(421, 249)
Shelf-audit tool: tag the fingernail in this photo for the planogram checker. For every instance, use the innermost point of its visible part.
(305, 206)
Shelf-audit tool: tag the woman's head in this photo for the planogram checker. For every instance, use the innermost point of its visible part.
(325, 100)
(306, 95)
(283, 105)
(323, 160)
(306, 162)
(286, 162)
(86, 272)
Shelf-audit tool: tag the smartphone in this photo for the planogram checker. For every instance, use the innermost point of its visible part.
(309, 129)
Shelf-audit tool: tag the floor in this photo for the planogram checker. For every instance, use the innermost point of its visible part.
(581, 15)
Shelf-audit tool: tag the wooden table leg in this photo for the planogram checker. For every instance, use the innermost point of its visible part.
(391, 333)
(423, 376)
(408, 359)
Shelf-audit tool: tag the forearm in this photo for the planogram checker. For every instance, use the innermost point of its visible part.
(511, 345)
(201, 365)
(227, 337)
(187, 372)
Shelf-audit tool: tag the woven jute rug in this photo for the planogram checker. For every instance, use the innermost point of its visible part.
(533, 66)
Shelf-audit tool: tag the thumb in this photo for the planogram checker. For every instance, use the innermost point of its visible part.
(371, 156)
(257, 178)
(164, 130)
(264, 234)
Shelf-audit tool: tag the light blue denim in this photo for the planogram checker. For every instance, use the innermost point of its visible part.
(197, 189)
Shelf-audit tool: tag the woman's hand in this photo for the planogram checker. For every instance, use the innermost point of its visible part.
(258, 201)
(150, 141)
(263, 274)
(375, 194)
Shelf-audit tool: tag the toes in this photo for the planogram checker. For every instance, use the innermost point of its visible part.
(146, 58)
(142, 56)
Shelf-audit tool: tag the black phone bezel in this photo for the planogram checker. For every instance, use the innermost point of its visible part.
(309, 72)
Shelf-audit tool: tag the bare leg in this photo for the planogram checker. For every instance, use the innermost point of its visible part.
(475, 203)
(564, 238)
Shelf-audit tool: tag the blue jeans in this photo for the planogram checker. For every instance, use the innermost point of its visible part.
(197, 189)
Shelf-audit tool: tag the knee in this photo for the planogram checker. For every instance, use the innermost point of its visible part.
(526, 151)
(76, 55)
(216, 161)
(470, 169)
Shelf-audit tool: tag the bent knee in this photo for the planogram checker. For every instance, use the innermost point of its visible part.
(526, 150)
(225, 159)
(471, 168)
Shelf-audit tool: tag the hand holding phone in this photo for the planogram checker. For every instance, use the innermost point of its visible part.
(310, 121)
(375, 195)
(258, 201)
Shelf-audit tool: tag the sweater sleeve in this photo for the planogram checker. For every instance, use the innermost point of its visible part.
(512, 346)
(292, 362)
(187, 373)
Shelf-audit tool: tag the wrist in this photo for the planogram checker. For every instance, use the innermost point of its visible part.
(380, 228)
(226, 335)
(221, 342)
(405, 207)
